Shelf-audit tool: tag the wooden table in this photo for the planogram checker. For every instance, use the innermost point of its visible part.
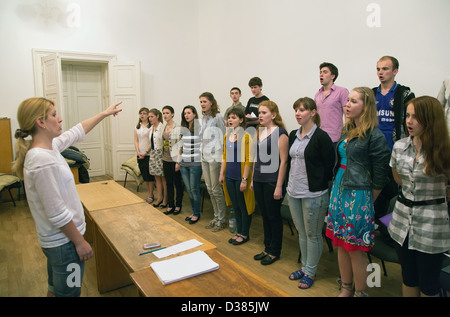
(119, 234)
(105, 194)
(100, 195)
(230, 280)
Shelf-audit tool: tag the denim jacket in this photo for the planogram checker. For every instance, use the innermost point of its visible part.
(367, 162)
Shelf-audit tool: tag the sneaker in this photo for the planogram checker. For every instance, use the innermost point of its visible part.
(211, 224)
(219, 226)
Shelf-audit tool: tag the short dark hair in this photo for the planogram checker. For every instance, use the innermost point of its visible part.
(240, 114)
(235, 88)
(170, 108)
(255, 81)
(333, 69)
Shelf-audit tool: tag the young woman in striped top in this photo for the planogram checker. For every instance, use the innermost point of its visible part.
(190, 159)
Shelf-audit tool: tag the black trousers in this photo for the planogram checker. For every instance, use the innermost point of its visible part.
(173, 179)
(420, 269)
(271, 214)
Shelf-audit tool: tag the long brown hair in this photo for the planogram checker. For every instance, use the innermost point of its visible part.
(138, 126)
(214, 106)
(186, 124)
(435, 139)
(157, 113)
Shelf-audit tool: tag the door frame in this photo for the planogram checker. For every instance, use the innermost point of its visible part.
(122, 82)
(65, 56)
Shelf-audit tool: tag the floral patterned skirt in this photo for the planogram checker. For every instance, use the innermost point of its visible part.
(155, 163)
(350, 221)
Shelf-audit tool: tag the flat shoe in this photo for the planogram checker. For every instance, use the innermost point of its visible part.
(176, 212)
(187, 218)
(296, 275)
(307, 280)
(170, 211)
(269, 260)
(191, 222)
(235, 242)
(260, 256)
(231, 240)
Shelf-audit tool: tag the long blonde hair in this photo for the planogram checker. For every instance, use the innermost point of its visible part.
(28, 112)
(368, 120)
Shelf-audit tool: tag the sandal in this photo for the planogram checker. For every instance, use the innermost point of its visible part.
(231, 240)
(307, 280)
(149, 200)
(243, 240)
(296, 275)
(345, 287)
(361, 294)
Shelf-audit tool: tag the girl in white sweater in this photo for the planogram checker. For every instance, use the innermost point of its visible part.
(51, 192)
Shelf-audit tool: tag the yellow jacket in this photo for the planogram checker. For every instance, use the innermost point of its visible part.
(246, 160)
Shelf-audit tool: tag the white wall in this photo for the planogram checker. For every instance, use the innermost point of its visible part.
(187, 47)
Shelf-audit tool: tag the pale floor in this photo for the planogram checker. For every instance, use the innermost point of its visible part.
(23, 265)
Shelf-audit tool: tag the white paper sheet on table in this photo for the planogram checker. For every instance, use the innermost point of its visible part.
(183, 267)
(177, 248)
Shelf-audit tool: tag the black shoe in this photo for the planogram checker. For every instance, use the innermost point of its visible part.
(170, 211)
(157, 205)
(191, 222)
(260, 256)
(163, 206)
(269, 260)
(235, 242)
(187, 218)
(175, 211)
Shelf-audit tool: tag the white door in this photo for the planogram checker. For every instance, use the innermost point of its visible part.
(121, 82)
(125, 86)
(51, 80)
(82, 98)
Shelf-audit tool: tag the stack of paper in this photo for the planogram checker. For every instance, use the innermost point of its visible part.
(183, 267)
(180, 247)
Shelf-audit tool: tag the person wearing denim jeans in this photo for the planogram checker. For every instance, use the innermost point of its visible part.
(189, 159)
(308, 215)
(65, 270)
(191, 178)
(51, 192)
(310, 166)
(236, 169)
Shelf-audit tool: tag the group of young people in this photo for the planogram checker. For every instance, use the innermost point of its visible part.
(390, 145)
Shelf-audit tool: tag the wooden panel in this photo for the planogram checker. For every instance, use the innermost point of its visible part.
(105, 194)
(6, 154)
(6, 151)
(127, 228)
(111, 273)
(233, 279)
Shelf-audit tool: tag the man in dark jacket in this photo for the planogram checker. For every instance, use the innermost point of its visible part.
(391, 99)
